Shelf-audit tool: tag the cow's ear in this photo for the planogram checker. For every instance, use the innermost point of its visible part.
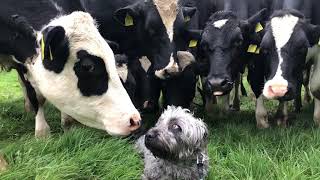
(127, 16)
(254, 22)
(185, 58)
(313, 34)
(54, 48)
(188, 13)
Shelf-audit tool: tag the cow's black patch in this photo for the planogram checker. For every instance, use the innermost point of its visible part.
(17, 37)
(56, 48)
(31, 93)
(92, 74)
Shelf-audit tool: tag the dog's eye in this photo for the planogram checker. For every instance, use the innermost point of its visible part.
(176, 127)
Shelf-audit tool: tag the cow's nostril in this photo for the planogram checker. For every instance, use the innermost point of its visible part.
(135, 121)
(224, 82)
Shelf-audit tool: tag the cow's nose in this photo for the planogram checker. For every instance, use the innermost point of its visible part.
(277, 90)
(135, 122)
(220, 85)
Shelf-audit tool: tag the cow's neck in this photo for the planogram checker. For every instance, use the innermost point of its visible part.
(304, 6)
(168, 10)
(240, 8)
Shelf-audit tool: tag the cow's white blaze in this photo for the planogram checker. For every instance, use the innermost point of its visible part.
(145, 63)
(282, 29)
(112, 110)
(168, 10)
(220, 23)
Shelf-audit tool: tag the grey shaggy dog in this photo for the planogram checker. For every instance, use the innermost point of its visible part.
(176, 148)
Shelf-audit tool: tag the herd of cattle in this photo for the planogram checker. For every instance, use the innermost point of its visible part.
(72, 53)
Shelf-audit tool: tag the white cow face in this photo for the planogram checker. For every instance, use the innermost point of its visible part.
(77, 73)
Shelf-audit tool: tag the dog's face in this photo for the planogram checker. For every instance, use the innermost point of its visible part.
(177, 135)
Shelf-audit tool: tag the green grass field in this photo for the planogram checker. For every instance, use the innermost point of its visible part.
(237, 149)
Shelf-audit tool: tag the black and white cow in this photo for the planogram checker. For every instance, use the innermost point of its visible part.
(284, 47)
(140, 27)
(223, 47)
(70, 64)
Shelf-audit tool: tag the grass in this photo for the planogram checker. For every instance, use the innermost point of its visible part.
(237, 149)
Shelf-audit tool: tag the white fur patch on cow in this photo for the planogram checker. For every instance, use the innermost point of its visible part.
(110, 111)
(220, 23)
(145, 63)
(123, 72)
(171, 68)
(168, 10)
(185, 58)
(282, 29)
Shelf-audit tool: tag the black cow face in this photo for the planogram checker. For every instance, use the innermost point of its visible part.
(143, 18)
(224, 42)
(285, 45)
(17, 38)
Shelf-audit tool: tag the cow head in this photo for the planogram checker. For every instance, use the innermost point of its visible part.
(154, 22)
(285, 45)
(224, 41)
(76, 71)
(17, 38)
(180, 90)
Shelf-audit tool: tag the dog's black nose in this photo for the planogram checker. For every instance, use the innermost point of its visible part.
(151, 135)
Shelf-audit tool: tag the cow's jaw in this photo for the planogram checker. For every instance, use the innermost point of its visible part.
(282, 29)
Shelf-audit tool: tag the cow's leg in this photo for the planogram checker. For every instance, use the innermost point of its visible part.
(297, 101)
(27, 103)
(42, 127)
(306, 77)
(66, 121)
(316, 113)
(3, 163)
(261, 114)
(236, 99)
(282, 114)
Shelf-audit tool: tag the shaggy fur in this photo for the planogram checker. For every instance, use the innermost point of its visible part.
(178, 140)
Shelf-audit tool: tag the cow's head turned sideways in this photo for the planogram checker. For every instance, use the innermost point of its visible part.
(76, 72)
(285, 45)
(17, 38)
(153, 20)
(223, 43)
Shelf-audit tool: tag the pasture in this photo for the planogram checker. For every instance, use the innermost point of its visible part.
(237, 149)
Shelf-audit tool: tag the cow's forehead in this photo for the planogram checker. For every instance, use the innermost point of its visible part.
(168, 10)
(82, 33)
(282, 29)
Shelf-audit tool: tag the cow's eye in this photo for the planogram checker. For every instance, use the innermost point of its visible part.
(87, 65)
(264, 50)
(176, 128)
(237, 43)
(302, 50)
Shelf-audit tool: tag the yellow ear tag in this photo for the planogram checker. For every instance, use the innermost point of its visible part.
(128, 21)
(319, 42)
(257, 51)
(193, 43)
(252, 48)
(42, 48)
(51, 57)
(259, 27)
(187, 19)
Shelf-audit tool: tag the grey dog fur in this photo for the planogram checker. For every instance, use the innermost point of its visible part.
(184, 147)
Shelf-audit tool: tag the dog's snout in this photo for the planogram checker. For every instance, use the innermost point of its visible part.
(151, 135)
